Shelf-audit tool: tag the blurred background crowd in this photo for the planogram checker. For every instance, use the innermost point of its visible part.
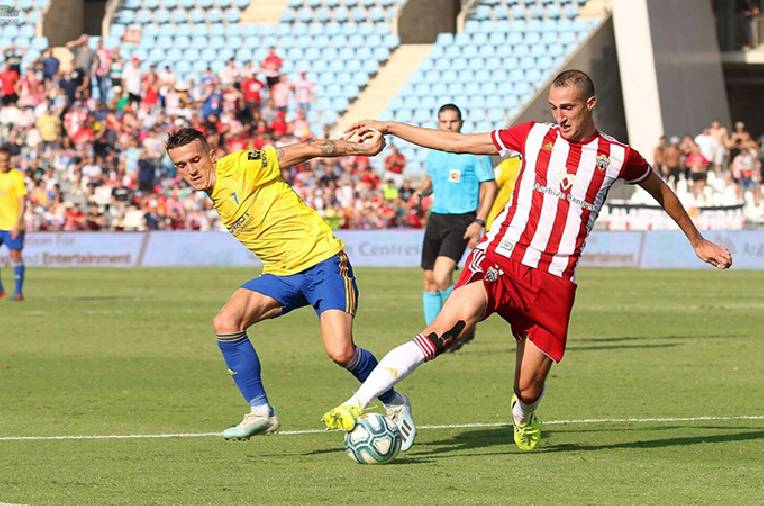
(89, 135)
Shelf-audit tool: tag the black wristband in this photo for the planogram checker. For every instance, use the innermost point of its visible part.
(480, 222)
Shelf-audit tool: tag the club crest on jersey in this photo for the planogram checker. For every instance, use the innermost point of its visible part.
(602, 162)
(547, 146)
(492, 274)
(254, 155)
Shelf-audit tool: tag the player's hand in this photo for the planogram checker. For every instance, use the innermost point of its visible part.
(15, 233)
(371, 141)
(367, 124)
(472, 234)
(714, 254)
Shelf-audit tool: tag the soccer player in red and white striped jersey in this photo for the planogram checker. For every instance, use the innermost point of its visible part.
(524, 269)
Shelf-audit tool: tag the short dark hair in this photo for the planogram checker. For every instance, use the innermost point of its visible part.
(4, 149)
(184, 136)
(575, 77)
(450, 107)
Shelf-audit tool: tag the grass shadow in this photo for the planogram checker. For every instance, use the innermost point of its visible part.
(648, 338)
(502, 436)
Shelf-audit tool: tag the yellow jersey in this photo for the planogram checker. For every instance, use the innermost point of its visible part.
(506, 174)
(262, 211)
(11, 207)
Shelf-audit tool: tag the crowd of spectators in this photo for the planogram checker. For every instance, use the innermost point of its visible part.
(712, 162)
(88, 133)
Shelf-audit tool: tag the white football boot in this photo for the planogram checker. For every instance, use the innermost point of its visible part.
(400, 412)
(259, 420)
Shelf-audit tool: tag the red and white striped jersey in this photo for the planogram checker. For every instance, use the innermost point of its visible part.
(558, 194)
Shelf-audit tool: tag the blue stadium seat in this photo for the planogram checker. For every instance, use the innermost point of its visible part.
(232, 15)
(214, 16)
(381, 53)
(143, 16)
(480, 38)
(197, 15)
(175, 54)
(497, 38)
(165, 42)
(182, 41)
(532, 38)
(216, 42)
(125, 17)
(444, 39)
(514, 37)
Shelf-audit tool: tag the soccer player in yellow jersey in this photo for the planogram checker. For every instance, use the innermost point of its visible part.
(506, 174)
(303, 262)
(12, 204)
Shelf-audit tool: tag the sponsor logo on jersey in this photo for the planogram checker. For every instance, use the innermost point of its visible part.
(567, 181)
(564, 194)
(235, 198)
(237, 226)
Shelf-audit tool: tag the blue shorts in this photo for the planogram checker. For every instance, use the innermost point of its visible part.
(327, 285)
(17, 243)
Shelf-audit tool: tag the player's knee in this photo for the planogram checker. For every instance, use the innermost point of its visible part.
(341, 354)
(442, 280)
(226, 322)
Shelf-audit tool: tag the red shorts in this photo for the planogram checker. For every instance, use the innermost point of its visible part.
(536, 304)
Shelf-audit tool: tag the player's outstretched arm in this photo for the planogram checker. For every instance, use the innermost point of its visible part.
(711, 253)
(371, 143)
(476, 144)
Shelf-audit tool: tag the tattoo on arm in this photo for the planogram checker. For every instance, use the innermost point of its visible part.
(328, 148)
(280, 153)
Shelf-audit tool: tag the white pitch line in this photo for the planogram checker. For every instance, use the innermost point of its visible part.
(424, 427)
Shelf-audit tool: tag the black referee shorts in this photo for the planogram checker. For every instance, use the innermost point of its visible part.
(444, 237)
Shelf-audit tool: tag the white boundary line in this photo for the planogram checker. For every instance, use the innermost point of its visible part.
(425, 427)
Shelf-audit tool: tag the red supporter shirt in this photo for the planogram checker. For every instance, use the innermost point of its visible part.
(395, 164)
(250, 89)
(9, 78)
(559, 192)
(272, 64)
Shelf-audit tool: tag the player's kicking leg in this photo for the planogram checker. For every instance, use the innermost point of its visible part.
(337, 335)
(331, 288)
(244, 308)
(531, 369)
(463, 309)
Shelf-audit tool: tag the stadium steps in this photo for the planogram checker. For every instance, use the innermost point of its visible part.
(386, 84)
(265, 12)
(595, 9)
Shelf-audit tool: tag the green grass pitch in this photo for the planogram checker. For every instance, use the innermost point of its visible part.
(131, 352)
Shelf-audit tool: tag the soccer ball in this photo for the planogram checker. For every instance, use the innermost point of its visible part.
(375, 439)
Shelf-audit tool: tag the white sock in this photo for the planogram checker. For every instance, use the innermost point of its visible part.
(396, 365)
(522, 412)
